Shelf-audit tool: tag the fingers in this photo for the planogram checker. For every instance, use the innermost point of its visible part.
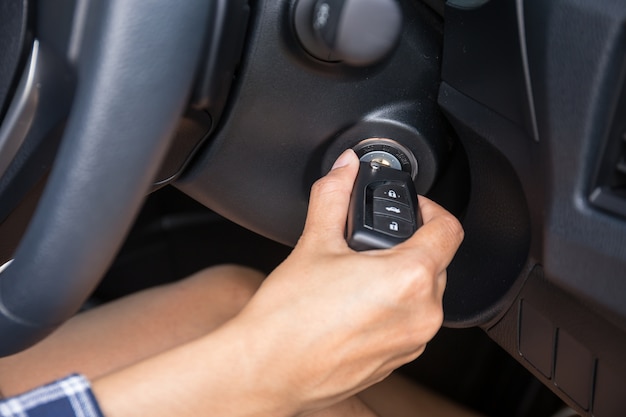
(330, 198)
(439, 238)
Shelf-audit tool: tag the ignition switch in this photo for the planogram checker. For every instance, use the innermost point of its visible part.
(389, 153)
(390, 137)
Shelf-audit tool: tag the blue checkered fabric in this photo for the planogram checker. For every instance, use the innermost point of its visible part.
(66, 397)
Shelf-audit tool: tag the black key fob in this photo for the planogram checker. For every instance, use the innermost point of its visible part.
(383, 208)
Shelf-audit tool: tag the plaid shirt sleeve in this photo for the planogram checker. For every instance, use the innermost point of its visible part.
(67, 397)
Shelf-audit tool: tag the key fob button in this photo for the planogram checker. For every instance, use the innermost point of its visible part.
(383, 210)
(393, 226)
(392, 209)
(393, 191)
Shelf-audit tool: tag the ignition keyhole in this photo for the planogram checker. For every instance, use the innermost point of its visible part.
(387, 152)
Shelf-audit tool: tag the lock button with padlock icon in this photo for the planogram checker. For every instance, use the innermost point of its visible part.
(392, 192)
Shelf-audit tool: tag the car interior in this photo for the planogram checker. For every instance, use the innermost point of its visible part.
(141, 141)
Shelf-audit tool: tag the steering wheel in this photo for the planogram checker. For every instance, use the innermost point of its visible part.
(134, 62)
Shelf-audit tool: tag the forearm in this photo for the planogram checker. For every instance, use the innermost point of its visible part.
(209, 376)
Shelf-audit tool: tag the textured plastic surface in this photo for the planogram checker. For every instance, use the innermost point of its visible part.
(575, 79)
(484, 274)
(227, 25)
(357, 32)
(574, 369)
(193, 129)
(117, 135)
(609, 188)
(584, 250)
(223, 44)
(13, 34)
(226, 31)
(484, 58)
(28, 141)
(575, 66)
(593, 359)
(289, 109)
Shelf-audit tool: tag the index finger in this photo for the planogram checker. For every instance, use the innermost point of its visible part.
(440, 236)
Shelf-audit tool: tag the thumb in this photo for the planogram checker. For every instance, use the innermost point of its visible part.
(329, 201)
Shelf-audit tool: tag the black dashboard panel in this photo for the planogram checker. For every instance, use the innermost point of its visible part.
(484, 58)
(289, 113)
(545, 94)
(576, 58)
(13, 21)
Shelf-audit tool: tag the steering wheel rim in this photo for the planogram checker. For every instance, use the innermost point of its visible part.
(136, 67)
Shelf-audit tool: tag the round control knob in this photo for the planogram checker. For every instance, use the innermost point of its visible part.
(356, 32)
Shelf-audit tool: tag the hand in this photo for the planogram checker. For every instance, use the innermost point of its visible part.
(326, 324)
(329, 322)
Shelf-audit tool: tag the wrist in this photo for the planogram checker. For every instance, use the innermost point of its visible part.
(257, 382)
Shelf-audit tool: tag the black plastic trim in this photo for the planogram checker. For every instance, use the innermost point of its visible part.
(289, 109)
(15, 42)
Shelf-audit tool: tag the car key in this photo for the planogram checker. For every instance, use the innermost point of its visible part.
(383, 208)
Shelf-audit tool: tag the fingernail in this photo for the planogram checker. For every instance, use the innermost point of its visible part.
(343, 160)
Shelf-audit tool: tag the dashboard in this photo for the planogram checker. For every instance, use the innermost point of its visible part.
(514, 112)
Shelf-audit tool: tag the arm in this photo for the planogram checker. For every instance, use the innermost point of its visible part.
(326, 324)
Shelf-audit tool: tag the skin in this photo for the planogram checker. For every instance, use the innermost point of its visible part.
(126, 331)
(321, 328)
